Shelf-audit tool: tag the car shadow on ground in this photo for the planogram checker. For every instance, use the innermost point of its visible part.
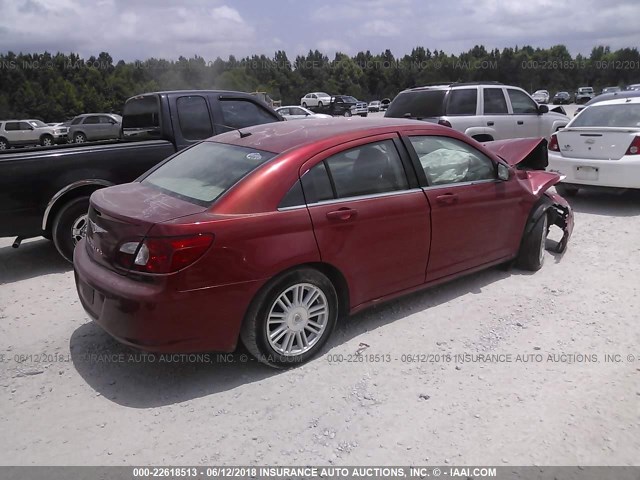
(33, 258)
(141, 380)
(607, 202)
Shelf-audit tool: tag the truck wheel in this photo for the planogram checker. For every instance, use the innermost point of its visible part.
(290, 320)
(69, 226)
(79, 138)
(566, 190)
(531, 255)
(4, 144)
(347, 113)
(46, 140)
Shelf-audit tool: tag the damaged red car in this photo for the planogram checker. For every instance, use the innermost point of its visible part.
(270, 234)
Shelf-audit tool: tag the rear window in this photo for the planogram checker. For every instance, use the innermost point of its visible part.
(142, 113)
(462, 102)
(623, 115)
(417, 104)
(205, 171)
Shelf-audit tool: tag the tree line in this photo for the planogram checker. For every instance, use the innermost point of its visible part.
(56, 87)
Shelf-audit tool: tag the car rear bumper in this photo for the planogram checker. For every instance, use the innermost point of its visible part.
(623, 173)
(154, 316)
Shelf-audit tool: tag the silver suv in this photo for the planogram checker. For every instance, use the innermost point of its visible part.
(95, 126)
(485, 111)
(20, 133)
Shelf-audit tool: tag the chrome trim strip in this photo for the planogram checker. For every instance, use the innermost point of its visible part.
(353, 199)
(67, 189)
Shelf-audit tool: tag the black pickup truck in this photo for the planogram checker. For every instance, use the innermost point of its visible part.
(46, 191)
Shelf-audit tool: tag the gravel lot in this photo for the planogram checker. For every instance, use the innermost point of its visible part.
(72, 395)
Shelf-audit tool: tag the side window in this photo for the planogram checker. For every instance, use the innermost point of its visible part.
(26, 126)
(521, 103)
(76, 121)
(462, 101)
(284, 111)
(106, 120)
(369, 169)
(447, 160)
(92, 120)
(494, 101)
(297, 111)
(243, 113)
(316, 184)
(12, 126)
(193, 115)
(294, 197)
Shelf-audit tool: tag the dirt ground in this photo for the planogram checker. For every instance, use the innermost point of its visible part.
(72, 395)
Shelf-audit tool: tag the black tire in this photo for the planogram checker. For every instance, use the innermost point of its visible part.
(64, 221)
(565, 190)
(46, 140)
(347, 113)
(79, 138)
(304, 104)
(319, 104)
(532, 248)
(254, 328)
(4, 144)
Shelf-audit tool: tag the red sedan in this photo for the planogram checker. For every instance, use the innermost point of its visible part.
(271, 233)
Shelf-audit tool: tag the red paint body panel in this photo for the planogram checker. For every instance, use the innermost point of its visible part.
(393, 244)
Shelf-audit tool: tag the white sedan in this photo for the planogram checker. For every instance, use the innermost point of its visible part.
(600, 146)
(293, 112)
(315, 99)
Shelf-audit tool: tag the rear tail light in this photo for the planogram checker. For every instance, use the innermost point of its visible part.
(444, 123)
(553, 143)
(634, 148)
(162, 254)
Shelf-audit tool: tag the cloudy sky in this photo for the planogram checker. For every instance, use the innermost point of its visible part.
(139, 29)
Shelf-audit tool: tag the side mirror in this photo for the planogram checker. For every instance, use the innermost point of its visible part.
(503, 172)
(542, 109)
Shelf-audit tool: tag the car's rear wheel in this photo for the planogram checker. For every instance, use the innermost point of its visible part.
(532, 248)
(46, 140)
(4, 144)
(79, 138)
(304, 104)
(70, 226)
(291, 318)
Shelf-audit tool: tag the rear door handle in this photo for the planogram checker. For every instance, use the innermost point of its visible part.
(490, 124)
(520, 122)
(342, 214)
(447, 199)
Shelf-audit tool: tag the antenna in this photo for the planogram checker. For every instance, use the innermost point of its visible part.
(240, 132)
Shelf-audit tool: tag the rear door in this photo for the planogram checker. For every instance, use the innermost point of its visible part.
(91, 127)
(475, 217)
(370, 220)
(495, 114)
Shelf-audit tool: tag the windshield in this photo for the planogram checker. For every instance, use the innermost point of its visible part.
(417, 104)
(585, 90)
(620, 116)
(204, 172)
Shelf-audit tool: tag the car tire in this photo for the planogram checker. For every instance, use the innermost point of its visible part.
(69, 225)
(347, 113)
(566, 190)
(304, 104)
(532, 248)
(277, 301)
(46, 140)
(4, 144)
(319, 104)
(79, 138)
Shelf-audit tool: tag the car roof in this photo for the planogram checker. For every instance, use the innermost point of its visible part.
(614, 95)
(618, 101)
(278, 137)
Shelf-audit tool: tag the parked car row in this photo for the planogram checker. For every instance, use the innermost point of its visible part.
(83, 128)
(334, 105)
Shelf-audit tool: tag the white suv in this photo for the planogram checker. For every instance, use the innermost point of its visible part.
(485, 111)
